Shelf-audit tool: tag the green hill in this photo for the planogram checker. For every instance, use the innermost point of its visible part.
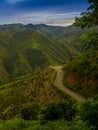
(81, 74)
(26, 51)
(18, 56)
(64, 35)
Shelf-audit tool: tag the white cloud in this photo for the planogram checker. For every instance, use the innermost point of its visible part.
(55, 19)
(60, 19)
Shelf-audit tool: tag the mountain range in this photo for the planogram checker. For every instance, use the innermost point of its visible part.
(26, 54)
(25, 49)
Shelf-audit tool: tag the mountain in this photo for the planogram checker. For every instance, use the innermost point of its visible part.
(25, 50)
(18, 55)
(59, 34)
(64, 35)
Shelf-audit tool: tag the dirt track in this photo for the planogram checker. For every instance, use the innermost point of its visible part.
(59, 83)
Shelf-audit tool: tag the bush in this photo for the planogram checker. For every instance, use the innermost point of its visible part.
(89, 112)
(14, 124)
(59, 110)
(30, 112)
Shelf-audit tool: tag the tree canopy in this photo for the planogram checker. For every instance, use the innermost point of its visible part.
(89, 19)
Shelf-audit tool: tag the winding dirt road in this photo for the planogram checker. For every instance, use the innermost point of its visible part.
(59, 83)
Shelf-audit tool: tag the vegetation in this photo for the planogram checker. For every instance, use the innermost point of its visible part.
(20, 124)
(81, 74)
(30, 112)
(32, 101)
(19, 95)
(89, 19)
(89, 40)
(83, 119)
(25, 51)
(60, 110)
(90, 115)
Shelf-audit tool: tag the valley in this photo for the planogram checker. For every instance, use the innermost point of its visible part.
(45, 77)
(25, 50)
(48, 65)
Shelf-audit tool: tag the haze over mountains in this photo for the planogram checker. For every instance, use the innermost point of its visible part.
(28, 48)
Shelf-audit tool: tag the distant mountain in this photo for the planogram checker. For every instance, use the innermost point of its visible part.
(27, 48)
(64, 35)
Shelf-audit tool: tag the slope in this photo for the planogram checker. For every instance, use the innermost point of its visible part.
(27, 50)
(81, 74)
(64, 35)
(59, 84)
(36, 88)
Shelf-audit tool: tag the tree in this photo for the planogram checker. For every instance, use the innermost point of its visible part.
(89, 112)
(89, 40)
(30, 112)
(94, 10)
(89, 19)
(59, 110)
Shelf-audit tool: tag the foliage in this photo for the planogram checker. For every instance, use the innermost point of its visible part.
(89, 19)
(24, 51)
(84, 21)
(22, 92)
(94, 10)
(89, 40)
(81, 74)
(89, 112)
(84, 65)
(61, 116)
(30, 112)
(17, 124)
(59, 110)
(20, 124)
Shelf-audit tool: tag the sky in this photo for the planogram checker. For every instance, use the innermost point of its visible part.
(51, 12)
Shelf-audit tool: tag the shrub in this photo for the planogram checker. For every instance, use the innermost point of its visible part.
(30, 112)
(59, 110)
(14, 124)
(89, 112)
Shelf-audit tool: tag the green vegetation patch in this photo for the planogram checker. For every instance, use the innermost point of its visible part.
(81, 74)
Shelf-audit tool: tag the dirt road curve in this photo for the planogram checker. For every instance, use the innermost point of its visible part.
(59, 83)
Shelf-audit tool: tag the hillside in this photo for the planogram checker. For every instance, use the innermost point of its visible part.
(64, 35)
(36, 88)
(18, 57)
(81, 74)
(24, 51)
(27, 88)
